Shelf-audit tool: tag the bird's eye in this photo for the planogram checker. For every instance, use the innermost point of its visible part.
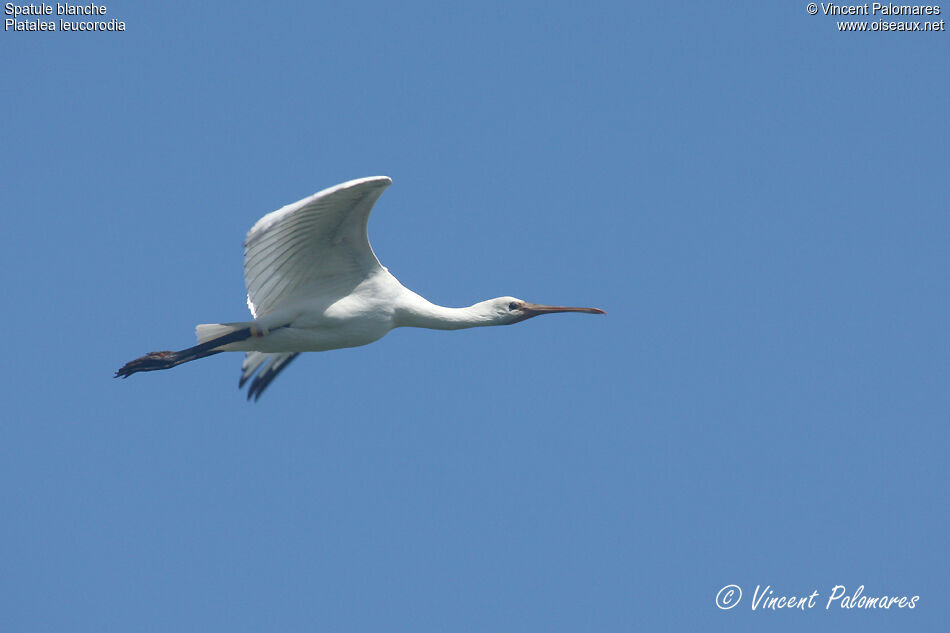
(512, 306)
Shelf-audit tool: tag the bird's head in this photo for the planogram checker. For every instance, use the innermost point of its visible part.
(508, 310)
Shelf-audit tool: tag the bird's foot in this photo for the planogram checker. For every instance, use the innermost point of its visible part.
(150, 362)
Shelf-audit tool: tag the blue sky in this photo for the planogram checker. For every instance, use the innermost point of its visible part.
(758, 202)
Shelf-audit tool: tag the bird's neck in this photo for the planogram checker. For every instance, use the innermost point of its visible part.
(416, 311)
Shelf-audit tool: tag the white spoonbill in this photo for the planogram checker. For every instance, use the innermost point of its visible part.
(314, 284)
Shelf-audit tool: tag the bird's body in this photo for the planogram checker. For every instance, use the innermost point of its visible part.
(323, 323)
(314, 284)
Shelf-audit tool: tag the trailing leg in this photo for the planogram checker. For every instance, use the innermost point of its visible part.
(154, 361)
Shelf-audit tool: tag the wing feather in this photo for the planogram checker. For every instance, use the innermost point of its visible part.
(317, 246)
(273, 364)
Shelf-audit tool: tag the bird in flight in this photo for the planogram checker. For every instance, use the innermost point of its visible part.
(314, 284)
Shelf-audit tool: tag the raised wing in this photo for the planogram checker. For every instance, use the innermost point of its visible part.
(317, 246)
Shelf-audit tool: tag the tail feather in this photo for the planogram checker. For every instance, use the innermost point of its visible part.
(205, 332)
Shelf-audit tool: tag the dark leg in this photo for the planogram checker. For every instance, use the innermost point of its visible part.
(166, 360)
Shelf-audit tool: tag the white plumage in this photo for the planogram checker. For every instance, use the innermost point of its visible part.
(314, 284)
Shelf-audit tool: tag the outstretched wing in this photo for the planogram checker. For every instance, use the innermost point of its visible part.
(317, 246)
(273, 364)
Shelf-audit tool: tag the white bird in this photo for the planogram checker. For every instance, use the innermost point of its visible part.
(314, 284)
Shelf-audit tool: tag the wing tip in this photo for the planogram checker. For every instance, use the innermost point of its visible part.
(380, 182)
(378, 179)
